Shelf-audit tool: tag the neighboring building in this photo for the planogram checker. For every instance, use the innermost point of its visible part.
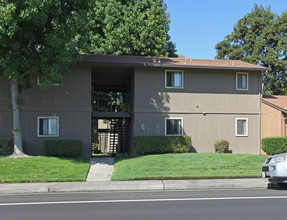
(274, 116)
(139, 96)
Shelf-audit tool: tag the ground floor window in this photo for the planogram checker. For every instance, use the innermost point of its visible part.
(173, 126)
(48, 126)
(241, 128)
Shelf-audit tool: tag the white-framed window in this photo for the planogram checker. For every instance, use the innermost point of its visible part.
(241, 127)
(241, 81)
(173, 126)
(174, 79)
(48, 126)
(40, 80)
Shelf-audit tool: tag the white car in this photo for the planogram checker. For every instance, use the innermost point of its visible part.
(275, 168)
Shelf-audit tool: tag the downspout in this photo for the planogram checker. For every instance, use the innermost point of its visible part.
(260, 108)
(281, 124)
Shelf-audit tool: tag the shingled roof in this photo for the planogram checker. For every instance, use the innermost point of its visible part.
(276, 101)
(169, 62)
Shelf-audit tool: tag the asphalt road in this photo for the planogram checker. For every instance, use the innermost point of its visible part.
(199, 205)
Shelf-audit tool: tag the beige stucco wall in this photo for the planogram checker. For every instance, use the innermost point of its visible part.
(209, 105)
(273, 123)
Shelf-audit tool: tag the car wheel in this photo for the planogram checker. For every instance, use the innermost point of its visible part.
(283, 185)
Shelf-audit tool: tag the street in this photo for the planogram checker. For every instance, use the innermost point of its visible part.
(214, 204)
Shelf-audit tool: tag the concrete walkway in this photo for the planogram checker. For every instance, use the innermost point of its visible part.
(101, 169)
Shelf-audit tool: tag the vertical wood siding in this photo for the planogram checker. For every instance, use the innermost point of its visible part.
(71, 102)
(273, 123)
(209, 104)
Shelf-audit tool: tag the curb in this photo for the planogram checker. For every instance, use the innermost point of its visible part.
(151, 185)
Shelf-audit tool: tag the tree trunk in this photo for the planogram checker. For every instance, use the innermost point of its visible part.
(17, 134)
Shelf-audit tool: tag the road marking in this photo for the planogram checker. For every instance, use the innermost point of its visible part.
(142, 200)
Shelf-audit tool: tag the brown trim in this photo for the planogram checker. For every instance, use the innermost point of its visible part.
(111, 115)
(143, 61)
(56, 109)
(274, 106)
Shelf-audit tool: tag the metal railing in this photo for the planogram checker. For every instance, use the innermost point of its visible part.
(110, 102)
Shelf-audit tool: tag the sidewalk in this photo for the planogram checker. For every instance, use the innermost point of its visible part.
(151, 185)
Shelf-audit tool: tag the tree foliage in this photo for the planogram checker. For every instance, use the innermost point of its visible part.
(44, 37)
(260, 37)
(39, 38)
(134, 27)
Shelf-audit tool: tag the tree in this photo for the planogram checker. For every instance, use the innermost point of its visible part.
(260, 38)
(37, 38)
(41, 38)
(134, 27)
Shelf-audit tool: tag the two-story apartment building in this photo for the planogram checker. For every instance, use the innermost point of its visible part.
(109, 100)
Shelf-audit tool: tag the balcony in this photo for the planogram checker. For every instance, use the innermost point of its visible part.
(110, 104)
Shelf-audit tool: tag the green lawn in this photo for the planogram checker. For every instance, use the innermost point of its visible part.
(43, 169)
(188, 166)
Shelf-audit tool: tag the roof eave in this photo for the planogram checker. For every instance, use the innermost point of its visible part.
(212, 67)
(274, 106)
(132, 64)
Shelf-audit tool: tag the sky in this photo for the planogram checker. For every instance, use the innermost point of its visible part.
(198, 25)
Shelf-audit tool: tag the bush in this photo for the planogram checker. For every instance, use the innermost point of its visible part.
(6, 146)
(95, 149)
(63, 148)
(274, 145)
(162, 144)
(221, 146)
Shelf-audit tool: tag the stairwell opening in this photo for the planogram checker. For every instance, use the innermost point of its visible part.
(110, 136)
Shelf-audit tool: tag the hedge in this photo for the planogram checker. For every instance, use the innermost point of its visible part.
(274, 145)
(63, 148)
(221, 146)
(6, 146)
(162, 144)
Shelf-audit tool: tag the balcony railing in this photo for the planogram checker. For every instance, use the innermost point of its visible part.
(110, 102)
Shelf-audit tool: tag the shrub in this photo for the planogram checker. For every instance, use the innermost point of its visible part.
(95, 149)
(274, 145)
(162, 144)
(221, 146)
(6, 146)
(63, 148)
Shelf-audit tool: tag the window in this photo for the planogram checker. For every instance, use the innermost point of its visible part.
(242, 81)
(173, 126)
(40, 81)
(241, 127)
(48, 126)
(174, 79)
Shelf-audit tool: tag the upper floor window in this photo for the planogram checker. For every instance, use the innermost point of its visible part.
(241, 127)
(174, 79)
(48, 126)
(40, 81)
(173, 126)
(242, 81)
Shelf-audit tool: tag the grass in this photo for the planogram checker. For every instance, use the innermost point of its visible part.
(188, 166)
(42, 169)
